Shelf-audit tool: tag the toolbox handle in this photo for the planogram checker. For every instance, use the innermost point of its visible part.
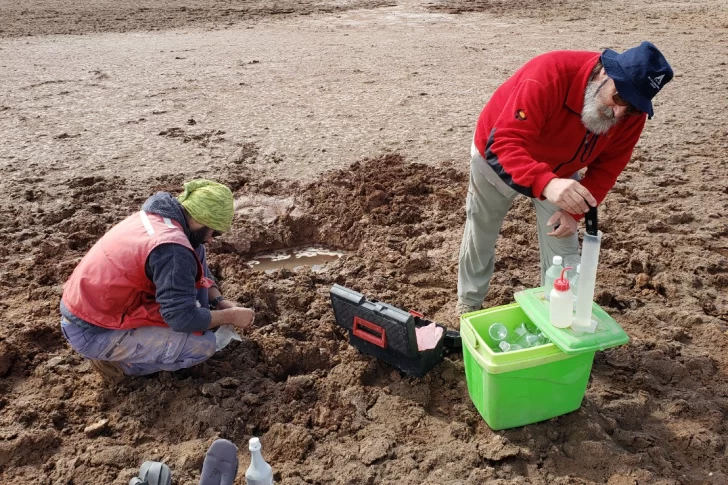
(379, 341)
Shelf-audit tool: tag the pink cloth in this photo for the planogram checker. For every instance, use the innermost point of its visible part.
(428, 337)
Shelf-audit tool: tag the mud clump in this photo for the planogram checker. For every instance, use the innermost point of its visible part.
(7, 356)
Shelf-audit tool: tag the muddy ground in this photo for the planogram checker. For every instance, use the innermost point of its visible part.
(348, 124)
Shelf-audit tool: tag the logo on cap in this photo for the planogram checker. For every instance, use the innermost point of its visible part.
(656, 82)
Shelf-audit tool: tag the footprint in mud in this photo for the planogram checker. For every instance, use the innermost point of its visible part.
(203, 139)
(84, 182)
(65, 136)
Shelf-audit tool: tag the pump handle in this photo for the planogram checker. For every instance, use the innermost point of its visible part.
(592, 227)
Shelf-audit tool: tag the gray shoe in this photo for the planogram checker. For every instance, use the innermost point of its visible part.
(462, 308)
(221, 464)
(153, 473)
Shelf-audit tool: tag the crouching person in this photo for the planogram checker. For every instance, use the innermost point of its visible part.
(142, 300)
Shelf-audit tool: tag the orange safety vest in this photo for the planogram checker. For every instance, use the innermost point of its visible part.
(109, 287)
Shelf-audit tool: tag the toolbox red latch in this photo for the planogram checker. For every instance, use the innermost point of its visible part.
(370, 332)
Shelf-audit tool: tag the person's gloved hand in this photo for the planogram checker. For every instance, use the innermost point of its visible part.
(564, 224)
(569, 195)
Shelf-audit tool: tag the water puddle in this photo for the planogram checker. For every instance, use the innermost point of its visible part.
(295, 259)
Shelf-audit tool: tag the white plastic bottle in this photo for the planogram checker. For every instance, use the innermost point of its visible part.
(259, 472)
(551, 274)
(561, 304)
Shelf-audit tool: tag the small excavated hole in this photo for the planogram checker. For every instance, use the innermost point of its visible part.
(295, 259)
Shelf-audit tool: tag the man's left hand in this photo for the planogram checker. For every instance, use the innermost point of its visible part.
(566, 224)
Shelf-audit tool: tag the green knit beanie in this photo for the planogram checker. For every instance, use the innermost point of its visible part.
(209, 203)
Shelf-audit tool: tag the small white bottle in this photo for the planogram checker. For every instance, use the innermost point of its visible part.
(551, 274)
(561, 304)
(259, 472)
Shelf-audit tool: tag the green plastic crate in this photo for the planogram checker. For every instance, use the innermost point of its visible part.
(535, 384)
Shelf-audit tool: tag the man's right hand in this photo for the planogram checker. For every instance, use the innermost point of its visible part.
(569, 195)
(242, 317)
(236, 316)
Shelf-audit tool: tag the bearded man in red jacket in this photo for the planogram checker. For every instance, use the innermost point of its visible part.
(561, 112)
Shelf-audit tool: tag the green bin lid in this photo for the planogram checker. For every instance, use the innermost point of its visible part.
(607, 334)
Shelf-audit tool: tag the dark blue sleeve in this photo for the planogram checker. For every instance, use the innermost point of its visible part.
(173, 268)
(202, 256)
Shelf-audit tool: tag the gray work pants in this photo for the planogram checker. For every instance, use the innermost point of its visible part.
(488, 202)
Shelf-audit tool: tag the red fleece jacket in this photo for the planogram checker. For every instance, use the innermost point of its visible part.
(530, 132)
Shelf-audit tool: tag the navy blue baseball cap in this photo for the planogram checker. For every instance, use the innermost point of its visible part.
(639, 74)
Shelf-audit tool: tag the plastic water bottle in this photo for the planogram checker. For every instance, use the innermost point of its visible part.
(551, 274)
(561, 303)
(259, 472)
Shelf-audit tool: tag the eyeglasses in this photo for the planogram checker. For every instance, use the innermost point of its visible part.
(620, 101)
(214, 232)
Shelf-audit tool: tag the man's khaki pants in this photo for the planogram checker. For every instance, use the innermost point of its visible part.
(488, 202)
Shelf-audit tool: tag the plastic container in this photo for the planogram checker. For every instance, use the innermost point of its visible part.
(521, 387)
(259, 472)
(552, 273)
(561, 304)
(574, 283)
(587, 280)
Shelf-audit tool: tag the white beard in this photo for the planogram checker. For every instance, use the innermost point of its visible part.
(596, 117)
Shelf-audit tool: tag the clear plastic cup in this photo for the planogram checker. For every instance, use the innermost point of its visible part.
(521, 330)
(506, 347)
(531, 327)
(528, 340)
(498, 332)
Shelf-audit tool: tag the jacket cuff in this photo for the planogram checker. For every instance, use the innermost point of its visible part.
(541, 182)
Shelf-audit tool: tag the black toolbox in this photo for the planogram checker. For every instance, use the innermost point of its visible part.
(384, 331)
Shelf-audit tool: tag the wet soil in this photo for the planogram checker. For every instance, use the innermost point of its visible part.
(654, 411)
(71, 17)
